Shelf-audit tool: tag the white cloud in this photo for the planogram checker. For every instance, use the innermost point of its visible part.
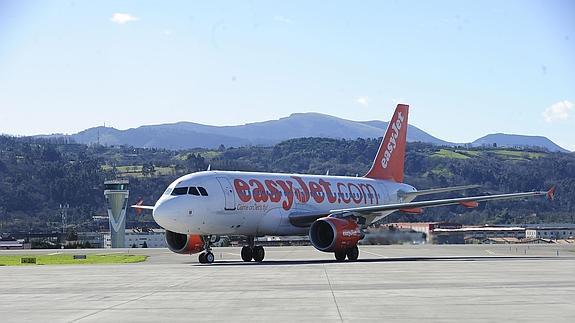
(363, 100)
(558, 111)
(122, 18)
(283, 19)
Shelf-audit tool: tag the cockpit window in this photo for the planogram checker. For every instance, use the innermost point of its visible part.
(193, 191)
(180, 191)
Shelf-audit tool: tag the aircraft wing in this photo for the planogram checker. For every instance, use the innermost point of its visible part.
(142, 207)
(436, 190)
(305, 219)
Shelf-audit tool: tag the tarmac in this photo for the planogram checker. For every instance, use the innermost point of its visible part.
(471, 283)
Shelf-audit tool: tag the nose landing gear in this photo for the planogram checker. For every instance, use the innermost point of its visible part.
(251, 251)
(207, 257)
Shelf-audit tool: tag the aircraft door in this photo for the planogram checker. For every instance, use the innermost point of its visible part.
(229, 197)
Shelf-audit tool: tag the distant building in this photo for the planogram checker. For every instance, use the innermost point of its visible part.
(565, 232)
(10, 243)
(139, 239)
(482, 234)
(454, 233)
(95, 239)
(429, 228)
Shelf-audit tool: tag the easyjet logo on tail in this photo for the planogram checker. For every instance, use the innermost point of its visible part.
(396, 127)
(388, 163)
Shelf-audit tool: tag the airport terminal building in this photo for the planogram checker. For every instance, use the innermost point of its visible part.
(140, 239)
(452, 233)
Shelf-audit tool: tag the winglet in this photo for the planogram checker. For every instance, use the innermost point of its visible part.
(551, 193)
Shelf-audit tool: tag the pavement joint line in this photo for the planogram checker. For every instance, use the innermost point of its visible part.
(373, 253)
(138, 298)
(332, 294)
(489, 252)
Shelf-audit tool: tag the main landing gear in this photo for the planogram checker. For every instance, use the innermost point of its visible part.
(207, 257)
(351, 253)
(251, 251)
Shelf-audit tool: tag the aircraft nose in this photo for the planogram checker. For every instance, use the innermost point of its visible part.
(166, 215)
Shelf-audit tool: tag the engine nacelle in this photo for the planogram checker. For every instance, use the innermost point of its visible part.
(183, 243)
(331, 234)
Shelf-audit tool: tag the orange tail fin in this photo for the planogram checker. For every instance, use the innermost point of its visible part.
(388, 163)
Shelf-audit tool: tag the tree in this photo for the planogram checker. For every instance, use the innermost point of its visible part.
(148, 169)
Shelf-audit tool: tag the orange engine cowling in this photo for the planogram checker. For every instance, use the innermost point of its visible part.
(331, 234)
(182, 243)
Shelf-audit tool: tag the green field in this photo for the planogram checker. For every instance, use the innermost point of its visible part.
(211, 154)
(136, 170)
(68, 259)
(501, 153)
(514, 154)
(444, 153)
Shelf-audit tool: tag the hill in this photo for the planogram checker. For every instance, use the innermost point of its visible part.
(507, 140)
(37, 175)
(187, 135)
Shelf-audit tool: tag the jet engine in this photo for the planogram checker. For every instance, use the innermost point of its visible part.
(335, 234)
(183, 243)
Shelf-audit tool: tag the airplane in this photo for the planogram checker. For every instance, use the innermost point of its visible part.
(333, 210)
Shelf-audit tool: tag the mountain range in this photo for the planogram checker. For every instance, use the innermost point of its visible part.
(185, 135)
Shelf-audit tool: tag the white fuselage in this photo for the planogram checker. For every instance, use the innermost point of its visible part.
(259, 204)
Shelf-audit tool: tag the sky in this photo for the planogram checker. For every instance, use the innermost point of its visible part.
(467, 68)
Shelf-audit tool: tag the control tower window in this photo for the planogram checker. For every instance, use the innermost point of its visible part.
(193, 191)
(203, 191)
(180, 191)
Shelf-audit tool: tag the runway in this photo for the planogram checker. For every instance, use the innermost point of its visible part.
(472, 283)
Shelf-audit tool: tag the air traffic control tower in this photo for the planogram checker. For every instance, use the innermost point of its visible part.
(116, 193)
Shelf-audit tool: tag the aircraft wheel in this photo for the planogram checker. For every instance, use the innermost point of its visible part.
(202, 258)
(340, 255)
(209, 258)
(247, 254)
(352, 253)
(259, 253)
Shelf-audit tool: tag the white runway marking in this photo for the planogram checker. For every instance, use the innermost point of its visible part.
(372, 253)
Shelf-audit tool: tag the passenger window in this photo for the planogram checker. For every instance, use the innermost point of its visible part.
(193, 191)
(180, 191)
(203, 191)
